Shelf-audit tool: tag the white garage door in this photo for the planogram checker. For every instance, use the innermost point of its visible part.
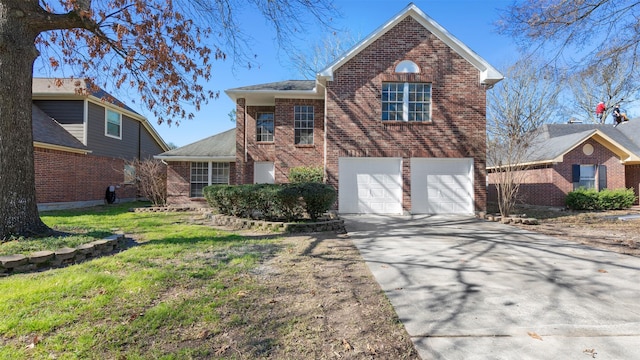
(441, 186)
(370, 185)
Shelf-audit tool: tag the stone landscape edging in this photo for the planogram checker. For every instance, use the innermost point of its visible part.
(42, 260)
(237, 223)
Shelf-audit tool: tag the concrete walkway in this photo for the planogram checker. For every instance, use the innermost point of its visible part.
(473, 289)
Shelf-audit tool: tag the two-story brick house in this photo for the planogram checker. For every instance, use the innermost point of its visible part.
(398, 123)
(82, 141)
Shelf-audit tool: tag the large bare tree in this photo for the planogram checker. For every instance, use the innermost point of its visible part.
(576, 30)
(310, 60)
(163, 49)
(521, 103)
(611, 82)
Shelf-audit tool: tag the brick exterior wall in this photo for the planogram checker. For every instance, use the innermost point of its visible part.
(354, 114)
(69, 177)
(632, 179)
(283, 152)
(549, 186)
(179, 184)
(354, 111)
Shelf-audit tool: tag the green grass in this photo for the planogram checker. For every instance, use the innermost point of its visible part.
(141, 303)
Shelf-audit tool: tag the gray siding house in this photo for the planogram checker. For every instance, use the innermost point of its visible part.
(94, 136)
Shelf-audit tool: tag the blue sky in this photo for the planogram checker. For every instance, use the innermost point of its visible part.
(471, 21)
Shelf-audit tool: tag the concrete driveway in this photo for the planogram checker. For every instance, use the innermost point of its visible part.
(473, 289)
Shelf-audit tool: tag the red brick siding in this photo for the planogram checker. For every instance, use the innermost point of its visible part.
(282, 151)
(69, 177)
(632, 178)
(550, 186)
(241, 139)
(458, 127)
(179, 184)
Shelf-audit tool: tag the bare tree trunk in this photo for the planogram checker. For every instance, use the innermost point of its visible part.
(18, 208)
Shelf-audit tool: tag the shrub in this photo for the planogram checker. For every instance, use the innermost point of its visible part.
(582, 199)
(273, 202)
(589, 199)
(151, 178)
(616, 199)
(317, 197)
(304, 174)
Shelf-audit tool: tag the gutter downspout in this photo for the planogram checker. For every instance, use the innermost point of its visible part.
(244, 121)
(324, 155)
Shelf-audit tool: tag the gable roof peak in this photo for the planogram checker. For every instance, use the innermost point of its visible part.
(488, 74)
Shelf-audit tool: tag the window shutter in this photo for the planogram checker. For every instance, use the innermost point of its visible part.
(575, 173)
(602, 177)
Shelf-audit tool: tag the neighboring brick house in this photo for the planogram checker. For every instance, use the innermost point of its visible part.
(564, 157)
(81, 143)
(398, 123)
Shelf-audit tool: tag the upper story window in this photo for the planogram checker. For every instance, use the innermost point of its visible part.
(303, 124)
(264, 127)
(113, 124)
(404, 101)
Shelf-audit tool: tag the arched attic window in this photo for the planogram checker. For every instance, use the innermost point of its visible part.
(407, 66)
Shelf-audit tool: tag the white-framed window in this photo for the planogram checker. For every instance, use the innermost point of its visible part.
(265, 126)
(589, 176)
(404, 101)
(129, 174)
(303, 124)
(207, 173)
(113, 124)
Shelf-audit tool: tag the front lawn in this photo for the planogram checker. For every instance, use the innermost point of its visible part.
(139, 303)
(189, 291)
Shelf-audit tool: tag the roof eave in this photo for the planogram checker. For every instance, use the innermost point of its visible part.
(61, 148)
(195, 158)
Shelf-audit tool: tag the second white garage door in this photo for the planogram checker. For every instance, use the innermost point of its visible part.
(370, 185)
(441, 186)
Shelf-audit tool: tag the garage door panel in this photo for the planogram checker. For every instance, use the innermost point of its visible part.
(370, 185)
(441, 186)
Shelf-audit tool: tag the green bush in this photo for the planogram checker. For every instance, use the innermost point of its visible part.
(304, 174)
(317, 197)
(616, 199)
(589, 199)
(272, 201)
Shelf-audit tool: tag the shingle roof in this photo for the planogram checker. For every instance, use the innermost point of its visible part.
(554, 140)
(70, 87)
(46, 130)
(219, 146)
(288, 85)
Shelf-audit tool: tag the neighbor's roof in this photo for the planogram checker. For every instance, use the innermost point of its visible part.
(78, 88)
(68, 88)
(488, 74)
(219, 147)
(553, 141)
(47, 133)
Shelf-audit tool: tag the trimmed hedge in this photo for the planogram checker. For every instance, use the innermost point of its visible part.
(272, 202)
(590, 199)
(301, 174)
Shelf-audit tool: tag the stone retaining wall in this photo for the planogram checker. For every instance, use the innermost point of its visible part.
(515, 219)
(40, 260)
(336, 225)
